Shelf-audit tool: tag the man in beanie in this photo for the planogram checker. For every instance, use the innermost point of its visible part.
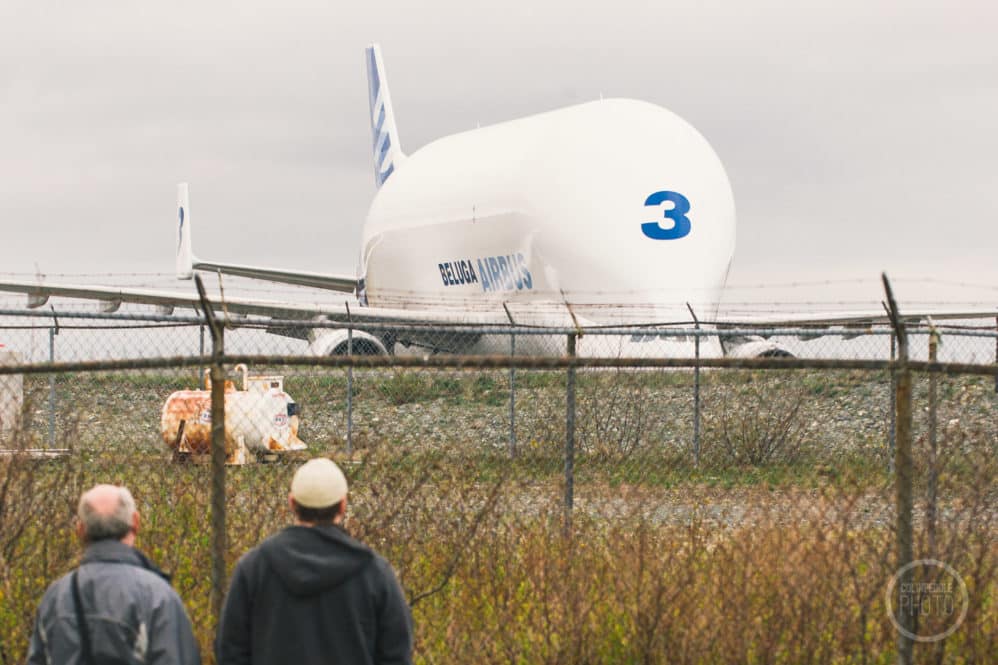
(311, 593)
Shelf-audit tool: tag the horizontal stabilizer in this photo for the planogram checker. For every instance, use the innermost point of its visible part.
(187, 263)
(343, 283)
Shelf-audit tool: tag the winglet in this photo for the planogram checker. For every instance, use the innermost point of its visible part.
(185, 259)
(384, 135)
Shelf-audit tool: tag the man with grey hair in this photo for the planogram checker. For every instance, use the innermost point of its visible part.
(117, 607)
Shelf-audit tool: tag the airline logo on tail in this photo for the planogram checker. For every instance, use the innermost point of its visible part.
(384, 134)
(185, 259)
(180, 230)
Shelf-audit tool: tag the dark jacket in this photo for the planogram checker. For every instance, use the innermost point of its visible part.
(314, 595)
(133, 614)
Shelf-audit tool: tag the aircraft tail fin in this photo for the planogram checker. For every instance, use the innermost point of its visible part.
(384, 134)
(185, 258)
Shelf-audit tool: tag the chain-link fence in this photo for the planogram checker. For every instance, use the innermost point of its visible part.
(576, 495)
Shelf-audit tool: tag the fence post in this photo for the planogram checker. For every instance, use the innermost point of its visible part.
(218, 539)
(52, 334)
(512, 383)
(892, 433)
(201, 353)
(349, 383)
(570, 436)
(696, 387)
(933, 482)
(902, 480)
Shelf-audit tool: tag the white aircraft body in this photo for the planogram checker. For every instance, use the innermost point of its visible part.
(614, 202)
(611, 212)
(611, 205)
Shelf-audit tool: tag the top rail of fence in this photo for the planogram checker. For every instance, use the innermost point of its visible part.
(499, 362)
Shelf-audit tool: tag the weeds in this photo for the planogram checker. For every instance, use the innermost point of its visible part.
(777, 549)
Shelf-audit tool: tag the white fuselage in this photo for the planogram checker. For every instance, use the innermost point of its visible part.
(553, 208)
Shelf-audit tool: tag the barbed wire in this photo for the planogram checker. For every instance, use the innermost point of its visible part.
(756, 285)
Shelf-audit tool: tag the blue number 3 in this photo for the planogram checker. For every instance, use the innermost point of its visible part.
(677, 213)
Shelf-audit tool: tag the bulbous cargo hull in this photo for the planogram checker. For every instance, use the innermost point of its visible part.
(618, 206)
(261, 418)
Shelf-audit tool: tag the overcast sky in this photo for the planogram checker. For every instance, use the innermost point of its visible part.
(858, 136)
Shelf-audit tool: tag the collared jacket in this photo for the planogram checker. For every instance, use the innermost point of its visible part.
(132, 612)
(314, 595)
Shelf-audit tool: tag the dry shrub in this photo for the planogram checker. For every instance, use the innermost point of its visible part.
(764, 421)
(38, 497)
(614, 414)
(780, 588)
(417, 510)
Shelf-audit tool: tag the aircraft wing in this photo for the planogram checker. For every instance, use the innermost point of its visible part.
(111, 298)
(757, 331)
(850, 319)
(845, 324)
(422, 321)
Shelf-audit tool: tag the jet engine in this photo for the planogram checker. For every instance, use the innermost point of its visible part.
(754, 346)
(340, 341)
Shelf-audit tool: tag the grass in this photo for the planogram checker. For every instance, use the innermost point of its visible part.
(782, 561)
(786, 586)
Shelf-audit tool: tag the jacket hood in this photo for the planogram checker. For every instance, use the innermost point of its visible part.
(310, 560)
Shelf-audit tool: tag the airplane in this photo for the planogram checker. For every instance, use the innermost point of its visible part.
(610, 212)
